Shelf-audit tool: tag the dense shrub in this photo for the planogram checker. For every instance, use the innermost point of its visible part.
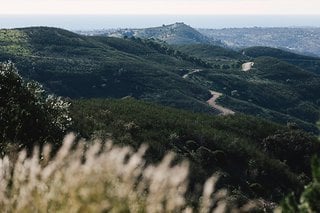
(310, 197)
(28, 115)
(294, 147)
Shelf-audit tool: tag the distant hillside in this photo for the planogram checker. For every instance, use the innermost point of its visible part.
(178, 33)
(272, 88)
(216, 55)
(208, 52)
(180, 76)
(303, 40)
(77, 66)
(304, 62)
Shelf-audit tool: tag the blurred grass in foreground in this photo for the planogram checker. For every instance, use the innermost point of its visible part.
(100, 177)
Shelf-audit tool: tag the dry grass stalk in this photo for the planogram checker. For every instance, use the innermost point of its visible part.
(98, 178)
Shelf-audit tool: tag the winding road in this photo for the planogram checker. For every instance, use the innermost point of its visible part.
(212, 102)
(215, 95)
(190, 73)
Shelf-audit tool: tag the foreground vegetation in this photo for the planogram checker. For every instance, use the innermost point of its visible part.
(309, 198)
(28, 114)
(95, 177)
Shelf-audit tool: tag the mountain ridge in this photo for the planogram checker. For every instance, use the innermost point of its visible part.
(177, 33)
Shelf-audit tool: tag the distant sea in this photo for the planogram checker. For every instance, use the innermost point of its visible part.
(91, 22)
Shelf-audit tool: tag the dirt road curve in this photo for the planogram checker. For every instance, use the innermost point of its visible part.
(247, 66)
(215, 96)
(190, 73)
(212, 103)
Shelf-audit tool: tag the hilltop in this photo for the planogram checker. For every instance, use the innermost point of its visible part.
(177, 33)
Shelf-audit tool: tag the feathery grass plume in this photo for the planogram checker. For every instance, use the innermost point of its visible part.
(99, 178)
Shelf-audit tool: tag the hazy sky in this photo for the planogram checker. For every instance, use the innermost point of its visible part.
(168, 7)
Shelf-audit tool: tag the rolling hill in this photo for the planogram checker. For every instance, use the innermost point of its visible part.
(177, 33)
(281, 86)
(181, 76)
(304, 62)
(78, 66)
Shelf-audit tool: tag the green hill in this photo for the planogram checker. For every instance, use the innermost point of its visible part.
(77, 66)
(304, 62)
(278, 87)
(177, 33)
(209, 52)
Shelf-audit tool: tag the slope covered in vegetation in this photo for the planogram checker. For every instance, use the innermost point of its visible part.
(304, 62)
(256, 158)
(28, 115)
(76, 66)
(272, 89)
(177, 33)
(80, 67)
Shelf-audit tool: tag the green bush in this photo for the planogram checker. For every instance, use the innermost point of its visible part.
(294, 147)
(28, 115)
(309, 200)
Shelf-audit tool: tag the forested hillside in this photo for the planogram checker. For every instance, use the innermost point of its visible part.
(280, 86)
(181, 76)
(77, 66)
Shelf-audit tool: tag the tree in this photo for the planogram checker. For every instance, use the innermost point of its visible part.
(310, 197)
(28, 115)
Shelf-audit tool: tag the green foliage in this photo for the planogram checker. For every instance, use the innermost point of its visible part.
(76, 66)
(215, 55)
(309, 199)
(305, 62)
(273, 89)
(294, 146)
(14, 42)
(178, 33)
(28, 115)
(231, 145)
(165, 49)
